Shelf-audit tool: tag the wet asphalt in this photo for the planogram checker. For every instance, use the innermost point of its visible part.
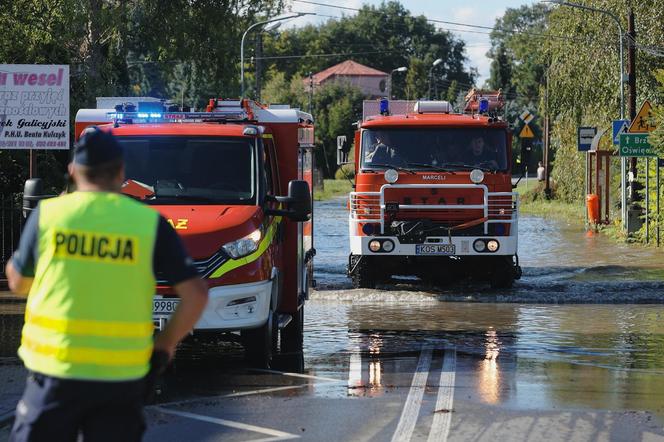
(575, 351)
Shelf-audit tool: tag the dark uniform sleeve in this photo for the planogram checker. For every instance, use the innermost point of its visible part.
(171, 261)
(24, 259)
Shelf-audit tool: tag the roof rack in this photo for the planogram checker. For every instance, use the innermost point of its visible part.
(218, 110)
(484, 101)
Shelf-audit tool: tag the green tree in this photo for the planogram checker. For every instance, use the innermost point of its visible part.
(501, 70)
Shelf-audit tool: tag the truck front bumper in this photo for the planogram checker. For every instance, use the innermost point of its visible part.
(462, 246)
(232, 307)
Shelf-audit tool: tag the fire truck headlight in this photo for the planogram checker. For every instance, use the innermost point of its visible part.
(492, 245)
(476, 176)
(388, 246)
(479, 245)
(391, 176)
(243, 246)
(374, 245)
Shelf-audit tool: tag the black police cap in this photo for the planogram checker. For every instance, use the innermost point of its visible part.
(96, 147)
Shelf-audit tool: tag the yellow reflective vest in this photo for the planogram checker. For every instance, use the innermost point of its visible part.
(89, 311)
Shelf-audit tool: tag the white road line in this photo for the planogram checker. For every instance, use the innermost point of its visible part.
(355, 370)
(296, 375)
(224, 396)
(442, 418)
(275, 434)
(411, 408)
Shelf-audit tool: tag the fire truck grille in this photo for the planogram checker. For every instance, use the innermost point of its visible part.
(205, 266)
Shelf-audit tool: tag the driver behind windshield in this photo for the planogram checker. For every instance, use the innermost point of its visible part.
(384, 151)
(478, 154)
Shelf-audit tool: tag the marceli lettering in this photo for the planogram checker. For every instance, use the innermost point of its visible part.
(95, 246)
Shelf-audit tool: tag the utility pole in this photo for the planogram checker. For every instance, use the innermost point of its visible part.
(634, 214)
(547, 139)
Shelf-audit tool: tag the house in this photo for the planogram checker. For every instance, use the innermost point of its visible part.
(370, 81)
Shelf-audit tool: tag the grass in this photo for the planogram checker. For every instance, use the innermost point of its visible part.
(534, 203)
(332, 189)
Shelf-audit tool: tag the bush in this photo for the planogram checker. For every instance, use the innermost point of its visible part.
(347, 171)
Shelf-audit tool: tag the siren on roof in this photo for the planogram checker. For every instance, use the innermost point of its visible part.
(432, 107)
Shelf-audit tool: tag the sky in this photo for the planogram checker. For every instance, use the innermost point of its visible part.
(476, 12)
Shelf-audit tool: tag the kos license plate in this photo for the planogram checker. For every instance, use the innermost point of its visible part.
(164, 307)
(435, 249)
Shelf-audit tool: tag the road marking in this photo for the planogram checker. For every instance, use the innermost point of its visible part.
(296, 375)
(276, 435)
(440, 428)
(230, 395)
(411, 408)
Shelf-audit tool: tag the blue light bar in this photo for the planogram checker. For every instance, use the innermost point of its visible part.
(484, 106)
(384, 106)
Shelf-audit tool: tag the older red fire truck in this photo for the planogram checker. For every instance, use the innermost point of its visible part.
(433, 194)
(219, 178)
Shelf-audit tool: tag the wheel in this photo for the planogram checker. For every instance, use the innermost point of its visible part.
(292, 337)
(503, 274)
(260, 344)
(362, 274)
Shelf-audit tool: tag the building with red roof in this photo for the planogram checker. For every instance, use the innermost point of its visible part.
(370, 81)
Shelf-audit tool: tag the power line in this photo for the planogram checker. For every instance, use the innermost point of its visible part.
(280, 57)
(468, 25)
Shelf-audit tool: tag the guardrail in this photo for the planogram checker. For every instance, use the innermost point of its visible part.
(498, 207)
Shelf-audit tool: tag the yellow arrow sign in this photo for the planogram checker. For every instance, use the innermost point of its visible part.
(644, 120)
(526, 132)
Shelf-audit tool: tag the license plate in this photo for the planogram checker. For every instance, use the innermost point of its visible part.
(164, 307)
(435, 249)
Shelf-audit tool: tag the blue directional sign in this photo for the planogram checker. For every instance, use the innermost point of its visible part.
(619, 126)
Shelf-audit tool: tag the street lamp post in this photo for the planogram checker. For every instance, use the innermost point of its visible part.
(389, 80)
(433, 65)
(621, 80)
(244, 36)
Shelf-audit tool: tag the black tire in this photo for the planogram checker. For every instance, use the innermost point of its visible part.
(292, 337)
(363, 275)
(503, 274)
(260, 344)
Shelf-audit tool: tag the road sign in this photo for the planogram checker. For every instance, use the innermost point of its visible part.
(635, 145)
(585, 137)
(525, 114)
(619, 126)
(644, 120)
(526, 132)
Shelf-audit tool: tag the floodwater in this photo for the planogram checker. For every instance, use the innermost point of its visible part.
(576, 348)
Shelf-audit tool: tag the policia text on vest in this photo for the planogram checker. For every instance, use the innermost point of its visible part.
(92, 246)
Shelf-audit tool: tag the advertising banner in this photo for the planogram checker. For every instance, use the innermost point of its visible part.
(34, 106)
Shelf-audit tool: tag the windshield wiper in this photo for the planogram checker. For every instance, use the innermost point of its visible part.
(392, 166)
(468, 166)
(186, 196)
(432, 167)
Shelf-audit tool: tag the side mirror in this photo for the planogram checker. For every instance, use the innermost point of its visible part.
(298, 202)
(342, 150)
(33, 192)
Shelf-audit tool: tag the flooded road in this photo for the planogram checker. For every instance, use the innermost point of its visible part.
(550, 359)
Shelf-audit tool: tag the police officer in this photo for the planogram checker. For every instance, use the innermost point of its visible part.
(87, 261)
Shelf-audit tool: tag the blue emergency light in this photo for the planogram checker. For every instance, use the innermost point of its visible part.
(384, 106)
(484, 106)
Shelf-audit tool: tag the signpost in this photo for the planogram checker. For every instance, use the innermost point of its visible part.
(526, 132)
(585, 137)
(644, 120)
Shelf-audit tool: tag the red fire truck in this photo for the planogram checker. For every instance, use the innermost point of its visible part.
(433, 194)
(219, 178)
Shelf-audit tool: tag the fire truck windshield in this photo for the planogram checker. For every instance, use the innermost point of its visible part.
(186, 170)
(437, 148)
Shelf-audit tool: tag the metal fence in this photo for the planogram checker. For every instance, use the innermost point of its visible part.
(11, 224)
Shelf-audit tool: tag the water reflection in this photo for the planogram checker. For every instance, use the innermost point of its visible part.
(489, 378)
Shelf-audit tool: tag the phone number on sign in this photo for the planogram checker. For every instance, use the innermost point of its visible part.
(33, 145)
